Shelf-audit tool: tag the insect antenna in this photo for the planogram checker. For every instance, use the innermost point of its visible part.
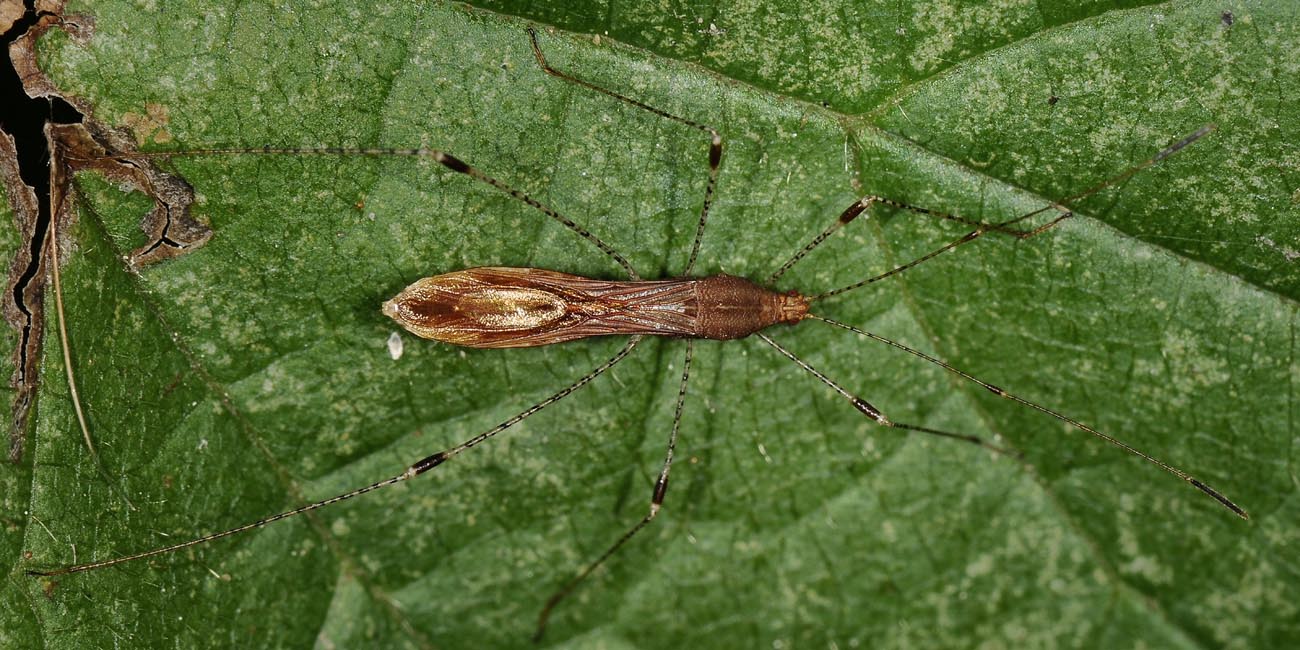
(419, 467)
(1004, 227)
(1193, 481)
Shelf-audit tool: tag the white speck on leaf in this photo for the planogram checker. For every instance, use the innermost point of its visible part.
(395, 346)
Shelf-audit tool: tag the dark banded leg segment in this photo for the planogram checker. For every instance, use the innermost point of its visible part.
(656, 502)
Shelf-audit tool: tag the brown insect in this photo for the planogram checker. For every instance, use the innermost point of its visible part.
(499, 307)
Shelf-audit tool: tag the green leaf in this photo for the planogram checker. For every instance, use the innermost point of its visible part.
(19, 627)
(252, 375)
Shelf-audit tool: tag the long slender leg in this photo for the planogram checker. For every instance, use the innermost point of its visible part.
(967, 238)
(715, 138)
(656, 502)
(1194, 482)
(875, 414)
(419, 467)
(441, 157)
(1004, 227)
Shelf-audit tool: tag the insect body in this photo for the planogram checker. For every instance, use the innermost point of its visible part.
(496, 307)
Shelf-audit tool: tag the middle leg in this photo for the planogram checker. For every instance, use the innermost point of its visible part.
(656, 502)
(715, 139)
